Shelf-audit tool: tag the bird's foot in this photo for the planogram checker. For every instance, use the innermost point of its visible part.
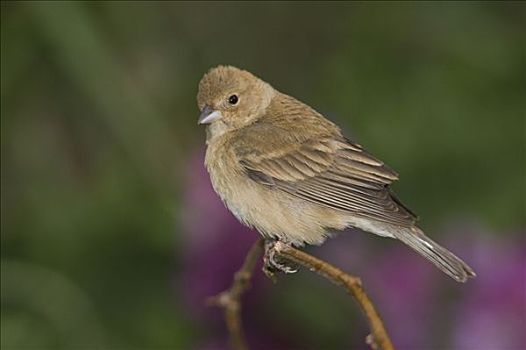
(272, 263)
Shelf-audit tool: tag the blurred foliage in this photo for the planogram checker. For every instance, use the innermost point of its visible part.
(98, 127)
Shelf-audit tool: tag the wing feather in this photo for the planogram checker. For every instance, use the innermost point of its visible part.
(335, 173)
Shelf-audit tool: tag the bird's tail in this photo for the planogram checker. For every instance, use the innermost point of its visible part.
(434, 252)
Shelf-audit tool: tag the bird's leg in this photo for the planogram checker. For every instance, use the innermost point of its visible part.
(271, 265)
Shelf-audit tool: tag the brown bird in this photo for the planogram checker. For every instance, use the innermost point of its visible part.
(284, 169)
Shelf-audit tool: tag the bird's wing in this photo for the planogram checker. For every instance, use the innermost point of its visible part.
(330, 171)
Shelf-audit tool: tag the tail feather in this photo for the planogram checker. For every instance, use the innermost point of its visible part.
(434, 252)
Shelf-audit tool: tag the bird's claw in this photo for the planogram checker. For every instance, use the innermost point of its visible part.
(271, 265)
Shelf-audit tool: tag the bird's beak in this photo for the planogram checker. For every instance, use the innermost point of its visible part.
(208, 115)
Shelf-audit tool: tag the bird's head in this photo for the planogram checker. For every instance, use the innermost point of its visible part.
(232, 97)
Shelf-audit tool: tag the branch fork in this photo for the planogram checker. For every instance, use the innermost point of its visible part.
(274, 253)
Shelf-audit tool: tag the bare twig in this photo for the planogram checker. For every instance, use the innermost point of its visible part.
(230, 299)
(378, 339)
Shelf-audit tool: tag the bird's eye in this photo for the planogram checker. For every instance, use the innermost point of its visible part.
(233, 99)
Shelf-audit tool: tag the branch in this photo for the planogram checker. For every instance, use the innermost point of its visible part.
(379, 339)
(230, 299)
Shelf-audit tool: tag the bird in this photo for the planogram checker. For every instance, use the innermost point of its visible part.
(284, 169)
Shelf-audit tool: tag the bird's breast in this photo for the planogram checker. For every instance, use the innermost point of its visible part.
(245, 198)
(272, 212)
(227, 177)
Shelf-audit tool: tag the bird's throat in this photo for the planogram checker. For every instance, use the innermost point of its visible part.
(215, 130)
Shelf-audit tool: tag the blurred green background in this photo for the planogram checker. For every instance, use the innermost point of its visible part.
(99, 144)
